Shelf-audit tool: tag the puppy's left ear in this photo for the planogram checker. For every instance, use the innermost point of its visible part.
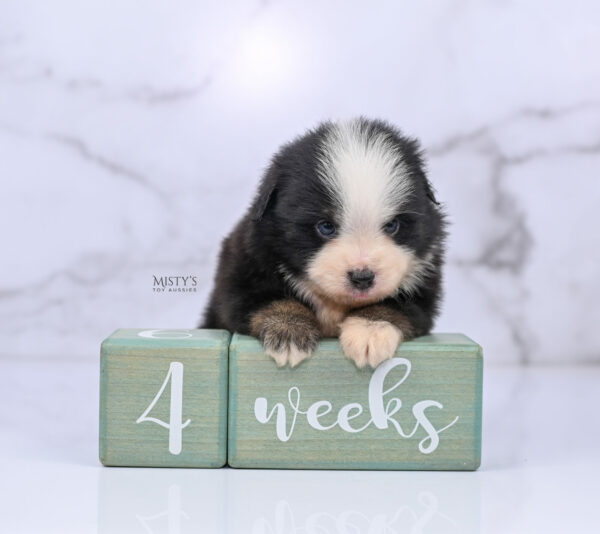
(265, 198)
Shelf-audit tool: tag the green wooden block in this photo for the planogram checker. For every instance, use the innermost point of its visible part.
(419, 410)
(163, 398)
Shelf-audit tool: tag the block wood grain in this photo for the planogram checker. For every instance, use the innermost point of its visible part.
(328, 414)
(192, 367)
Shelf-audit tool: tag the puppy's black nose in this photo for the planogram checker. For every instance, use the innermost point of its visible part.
(362, 279)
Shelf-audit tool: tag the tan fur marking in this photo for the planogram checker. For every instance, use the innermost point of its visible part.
(328, 270)
(329, 318)
(328, 312)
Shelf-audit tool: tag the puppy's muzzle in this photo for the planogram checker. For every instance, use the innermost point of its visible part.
(361, 279)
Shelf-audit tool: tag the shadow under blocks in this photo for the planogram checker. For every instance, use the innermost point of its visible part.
(205, 398)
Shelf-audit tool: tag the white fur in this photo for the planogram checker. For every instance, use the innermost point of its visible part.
(369, 342)
(366, 176)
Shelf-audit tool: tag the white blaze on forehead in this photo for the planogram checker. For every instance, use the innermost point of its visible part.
(363, 170)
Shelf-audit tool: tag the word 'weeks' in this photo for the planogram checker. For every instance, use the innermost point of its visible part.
(381, 412)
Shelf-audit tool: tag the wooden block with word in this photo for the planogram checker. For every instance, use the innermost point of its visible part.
(419, 410)
(163, 398)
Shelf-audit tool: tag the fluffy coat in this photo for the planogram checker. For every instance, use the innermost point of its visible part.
(344, 238)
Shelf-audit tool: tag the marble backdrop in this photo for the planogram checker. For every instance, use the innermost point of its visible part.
(132, 135)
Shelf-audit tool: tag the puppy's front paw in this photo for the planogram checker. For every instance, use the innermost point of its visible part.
(289, 344)
(369, 342)
(288, 331)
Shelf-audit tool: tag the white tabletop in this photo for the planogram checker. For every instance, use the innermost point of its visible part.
(540, 470)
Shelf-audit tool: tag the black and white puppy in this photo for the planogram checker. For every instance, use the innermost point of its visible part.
(344, 238)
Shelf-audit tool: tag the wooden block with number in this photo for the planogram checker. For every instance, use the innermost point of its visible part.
(163, 398)
(419, 410)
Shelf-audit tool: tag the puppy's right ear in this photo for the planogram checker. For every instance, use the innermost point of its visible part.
(430, 192)
(265, 198)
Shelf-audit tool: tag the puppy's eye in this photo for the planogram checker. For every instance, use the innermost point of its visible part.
(326, 228)
(392, 227)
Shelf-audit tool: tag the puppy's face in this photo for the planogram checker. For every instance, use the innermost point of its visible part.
(353, 214)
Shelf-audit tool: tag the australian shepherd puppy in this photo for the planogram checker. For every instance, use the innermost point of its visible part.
(344, 238)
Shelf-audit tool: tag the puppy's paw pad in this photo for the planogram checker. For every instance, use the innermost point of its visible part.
(369, 342)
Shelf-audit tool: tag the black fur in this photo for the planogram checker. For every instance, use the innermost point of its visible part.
(279, 230)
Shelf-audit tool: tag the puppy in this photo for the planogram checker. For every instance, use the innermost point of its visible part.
(344, 238)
